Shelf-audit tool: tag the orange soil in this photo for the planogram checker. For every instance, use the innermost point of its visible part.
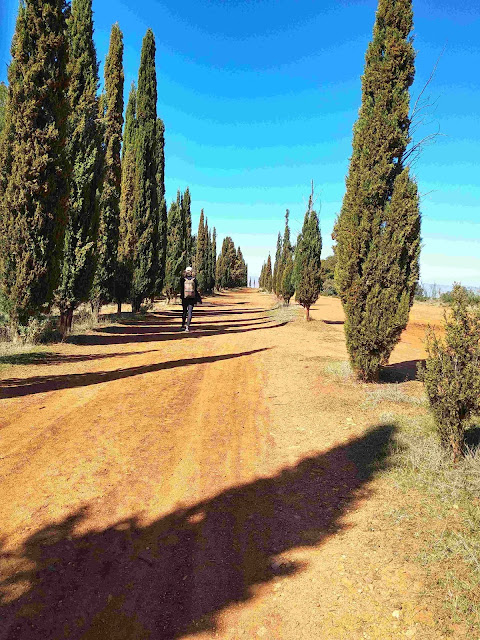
(219, 484)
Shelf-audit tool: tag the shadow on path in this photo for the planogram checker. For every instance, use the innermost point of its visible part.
(175, 576)
(16, 387)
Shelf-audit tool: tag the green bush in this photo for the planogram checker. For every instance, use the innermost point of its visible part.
(472, 297)
(452, 371)
(40, 330)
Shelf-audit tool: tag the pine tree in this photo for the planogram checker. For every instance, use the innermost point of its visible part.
(162, 213)
(308, 266)
(175, 252)
(268, 274)
(108, 235)
(3, 104)
(33, 164)
(84, 150)
(378, 230)
(278, 259)
(201, 254)
(146, 207)
(126, 244)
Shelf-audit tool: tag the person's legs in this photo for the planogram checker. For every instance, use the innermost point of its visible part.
(184, 312)
(189, 317)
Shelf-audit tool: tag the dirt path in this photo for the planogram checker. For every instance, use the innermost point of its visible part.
(160, 485)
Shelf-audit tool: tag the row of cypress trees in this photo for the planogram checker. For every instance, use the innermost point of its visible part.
(297, 269)
(231, 269)
(83, 215)
(377, 232)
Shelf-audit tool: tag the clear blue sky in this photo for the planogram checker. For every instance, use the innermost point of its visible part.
(259, 97)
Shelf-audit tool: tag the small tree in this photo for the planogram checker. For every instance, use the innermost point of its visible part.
(308, 267)
(452, 371)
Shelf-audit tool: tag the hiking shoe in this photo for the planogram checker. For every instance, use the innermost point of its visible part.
(187, 330)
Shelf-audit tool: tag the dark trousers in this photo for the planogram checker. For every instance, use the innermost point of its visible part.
(187, 312)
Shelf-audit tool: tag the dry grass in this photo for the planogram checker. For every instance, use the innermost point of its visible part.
(450, 520)
(390, 393)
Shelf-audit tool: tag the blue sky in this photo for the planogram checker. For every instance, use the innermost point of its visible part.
(259, 97)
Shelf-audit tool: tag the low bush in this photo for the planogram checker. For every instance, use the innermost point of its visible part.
(452, 371)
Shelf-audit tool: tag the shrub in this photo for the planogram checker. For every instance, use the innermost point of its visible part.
(329, 288)
(40, 330)
(452, 371)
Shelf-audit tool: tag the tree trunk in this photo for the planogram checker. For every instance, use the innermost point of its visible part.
(456, 445)
(307, 314)
(119, 307)
(13, 330)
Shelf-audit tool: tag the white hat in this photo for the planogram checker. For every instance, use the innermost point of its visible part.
(189, 269)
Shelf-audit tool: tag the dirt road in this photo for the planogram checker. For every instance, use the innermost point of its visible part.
(160, 485)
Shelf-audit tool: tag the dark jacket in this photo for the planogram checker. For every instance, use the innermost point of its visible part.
(182, 292)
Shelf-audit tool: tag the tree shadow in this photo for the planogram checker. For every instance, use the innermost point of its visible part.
(17, 387)
(50, 357)
(333, 321)
(400, 371)
(169, 332)
(174, 576)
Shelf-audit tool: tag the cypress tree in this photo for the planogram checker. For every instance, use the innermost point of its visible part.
(175, 260)
(268, 274)
(278, 259)
(126, 243)
(145, 211)
(214, 256)
(285, 256)
(308, 266)
(85, 153)
(3, 104)
(162, 213)
(108, 235)
(378, 229)
(201, 254)
(33, 164)
(187, 218)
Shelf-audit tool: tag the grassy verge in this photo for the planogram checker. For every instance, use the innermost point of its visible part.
(437, 504)
(451, 501)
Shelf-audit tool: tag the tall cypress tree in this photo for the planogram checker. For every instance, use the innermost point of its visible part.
(285, 255)
(33, 164)
(85, 154)
(145, 212)
(214, 257)
(378, 229)
(268, 274)
(187, 221)
(175, 252)
(276, 266)
(162, 213)
(3, 104)
(126, 243)
(201, 253)
(108, 235)
(308, 266)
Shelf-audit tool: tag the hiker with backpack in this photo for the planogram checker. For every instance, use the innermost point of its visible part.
(190, 296)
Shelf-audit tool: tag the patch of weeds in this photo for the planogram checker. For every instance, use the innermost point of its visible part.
(452, 553)
(284, 313)
(340, 369)
(22, 354)
(390, 393)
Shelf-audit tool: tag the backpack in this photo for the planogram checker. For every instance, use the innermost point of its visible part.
(189, 288)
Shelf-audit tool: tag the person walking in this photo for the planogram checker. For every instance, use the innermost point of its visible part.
(189, 295)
